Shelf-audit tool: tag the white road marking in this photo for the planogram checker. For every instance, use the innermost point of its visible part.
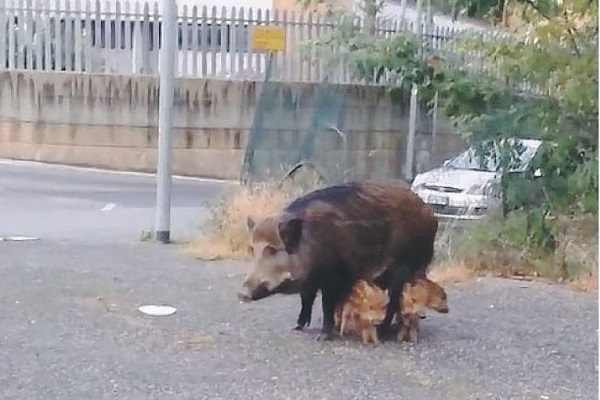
(108, 207)
(9, 161)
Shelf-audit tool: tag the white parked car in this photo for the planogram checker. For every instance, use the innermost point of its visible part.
(463, 189)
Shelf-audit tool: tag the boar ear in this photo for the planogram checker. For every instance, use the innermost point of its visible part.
(290, 232)
(250, 223)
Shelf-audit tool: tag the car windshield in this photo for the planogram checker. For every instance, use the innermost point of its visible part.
(471, 161)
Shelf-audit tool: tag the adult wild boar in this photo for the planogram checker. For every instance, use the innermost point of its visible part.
(330, 238)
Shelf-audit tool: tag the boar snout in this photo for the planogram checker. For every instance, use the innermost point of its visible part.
(252, 292)
(244, 297)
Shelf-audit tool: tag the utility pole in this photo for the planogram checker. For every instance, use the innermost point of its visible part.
(165, 123)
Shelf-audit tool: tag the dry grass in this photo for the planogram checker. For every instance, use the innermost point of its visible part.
(226, 234)
(579, 243)
(463, 255)
(451, 272)
(500, 246)
(455, 272)
(585, 283)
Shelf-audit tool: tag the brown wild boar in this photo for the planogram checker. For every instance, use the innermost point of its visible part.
(417, 296)
(362, 311)
(328, 239)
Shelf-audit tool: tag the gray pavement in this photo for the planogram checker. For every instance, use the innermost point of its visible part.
(76, 204)
(70, 329)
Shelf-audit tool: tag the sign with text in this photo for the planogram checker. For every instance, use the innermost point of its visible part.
(268, 38)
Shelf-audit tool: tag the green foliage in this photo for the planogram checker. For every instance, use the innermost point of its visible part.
(519, 244)
(539, 233)
(511, 245)
(371, 8)
(369, 57)
(146, 236)
(309, 3)
(555, 51)
(570, 175)
(518, 230)
(470, 8)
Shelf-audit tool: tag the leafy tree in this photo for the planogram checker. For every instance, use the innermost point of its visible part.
(471, 8)
(370, 8)
(539, 82)
(556, 53)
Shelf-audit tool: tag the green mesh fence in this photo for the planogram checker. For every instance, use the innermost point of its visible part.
(296, 127)
(339, 131)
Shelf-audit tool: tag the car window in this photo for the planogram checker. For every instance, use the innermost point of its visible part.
(471, 161)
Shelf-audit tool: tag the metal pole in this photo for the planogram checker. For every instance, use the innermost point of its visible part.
(165, 123)
(418, 27)
(412, 128)
(434, 127)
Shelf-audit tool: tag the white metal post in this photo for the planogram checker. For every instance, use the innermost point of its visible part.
(412, 128)
(165, 122)
(434, 127)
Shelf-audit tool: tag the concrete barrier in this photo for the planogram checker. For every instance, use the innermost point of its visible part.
(111, 121)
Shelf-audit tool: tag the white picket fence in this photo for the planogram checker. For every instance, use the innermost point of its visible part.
(124, 38)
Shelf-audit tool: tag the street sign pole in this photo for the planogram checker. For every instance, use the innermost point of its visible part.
(165, 123)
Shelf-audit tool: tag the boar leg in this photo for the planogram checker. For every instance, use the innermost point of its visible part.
(335, 289)
(385, 328)
(307, 297)
(329, 300)
(399, 275)
(387, 281)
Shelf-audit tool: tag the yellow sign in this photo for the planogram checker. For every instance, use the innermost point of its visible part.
(268, 38)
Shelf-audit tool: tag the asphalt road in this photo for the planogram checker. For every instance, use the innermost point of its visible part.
(70, 329)
(77, 204)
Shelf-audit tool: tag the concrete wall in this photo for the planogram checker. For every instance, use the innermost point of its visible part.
(111, 121)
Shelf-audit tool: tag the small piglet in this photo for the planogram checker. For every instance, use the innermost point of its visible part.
(362, 311)
(417, 296)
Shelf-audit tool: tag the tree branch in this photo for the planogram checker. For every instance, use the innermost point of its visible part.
(571, 33)
(549, 18)
(537, 8)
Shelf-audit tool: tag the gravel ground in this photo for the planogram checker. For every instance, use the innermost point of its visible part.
(70, 329)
